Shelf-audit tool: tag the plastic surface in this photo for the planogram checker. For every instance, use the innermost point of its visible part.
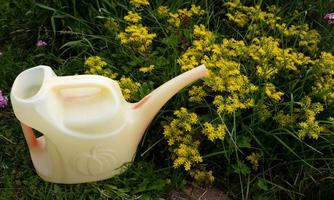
(89, 131)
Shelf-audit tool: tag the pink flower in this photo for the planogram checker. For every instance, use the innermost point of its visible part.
(3, 100)
(329, 18)
(41, 43)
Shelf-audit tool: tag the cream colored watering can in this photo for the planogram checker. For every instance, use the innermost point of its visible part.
(89, 130)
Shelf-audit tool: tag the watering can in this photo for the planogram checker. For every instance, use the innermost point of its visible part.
(89, 132)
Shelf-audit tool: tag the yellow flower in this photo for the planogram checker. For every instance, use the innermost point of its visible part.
(239, 18)
(183, 114)
(232, 103)
(163, 10)
(330, 119)
(285, 120)
(132, 17)
(95, 61)
(180, 137)
(187, 156)
(201, 32)
(254, 160)
(214, 133)
(129, 87)
(196, 10)
(202, 177)
(182, 16)
(266, 71)
(137, 37)
(255, 19)
(147, 69)
(189, 59)
(174, 19)
(139, 3)
(196, 94)
(271, 92)
(324, 85)
(96, 65)
(309, 126)
(178, 130)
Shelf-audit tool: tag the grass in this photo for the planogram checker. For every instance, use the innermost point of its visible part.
(75, 30)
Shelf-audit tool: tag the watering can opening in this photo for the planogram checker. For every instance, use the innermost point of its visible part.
(29, 83)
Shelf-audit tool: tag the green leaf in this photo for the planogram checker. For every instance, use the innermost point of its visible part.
(146, 88)
(161, 61)
(171, 41)
(45, 7)
(241, 168)
(149, 185)
(244, 141)
(73, 44)
(141, 187)
(262, 184)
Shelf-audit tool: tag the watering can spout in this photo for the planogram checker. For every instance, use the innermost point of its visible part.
(150, 105)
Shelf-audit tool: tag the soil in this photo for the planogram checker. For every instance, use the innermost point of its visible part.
(193, 192)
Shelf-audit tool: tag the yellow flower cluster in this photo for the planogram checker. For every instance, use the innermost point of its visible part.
(187, 155)
(202, 177)
(307, 38)
(270, 58)
(309, 126)
(225, 74)
(228, 48)
(163, 10)
(304, 117)
(184, 139)
(232, 103)
(95, 62)
(331, 119)
(129, 87)
(203, 37)
(137, 37)
(324, 85)
(180, 136)
(191, 58)
(285, 120)
(139, 3)
(96, 65)
(263, 111)
(181, 16)
(147, 69)
(253, 158)
(132, 17)
(214, 133)
(233, 89)
(178, 130)
(266, 71)
(254, 18)
(197, 94)
(271, 92)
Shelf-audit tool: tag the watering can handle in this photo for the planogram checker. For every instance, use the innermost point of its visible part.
(32, 141)
(82, 81)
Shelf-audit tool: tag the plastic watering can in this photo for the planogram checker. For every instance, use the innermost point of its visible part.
(89, 130)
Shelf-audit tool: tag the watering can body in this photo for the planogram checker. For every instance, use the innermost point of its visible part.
(89, 132)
